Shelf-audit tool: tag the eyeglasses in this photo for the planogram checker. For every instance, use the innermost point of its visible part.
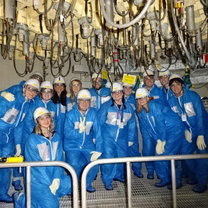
(32, 89)
(84, 101)
(97, 81)
(118, 92)
(165, 76)
(75, 85)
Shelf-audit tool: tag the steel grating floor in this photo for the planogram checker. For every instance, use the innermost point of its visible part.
(144, 194)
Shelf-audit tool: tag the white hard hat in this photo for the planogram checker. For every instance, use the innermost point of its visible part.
(116, 87)
(40, 112)
(84, 95)
(164, 73)
(46, 85)
(175, 77)
(59, 80)
(148, 73)
(141, 93)
(96, 75)
(33, 82)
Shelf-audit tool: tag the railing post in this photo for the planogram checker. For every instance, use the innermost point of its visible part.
(173, 175)
(128, 164)
(28, 186)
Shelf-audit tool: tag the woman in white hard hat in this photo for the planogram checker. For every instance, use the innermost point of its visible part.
(74, 87)
(82, 137)
(44, 144)
(118, 128)
(13, 108)
(162, 133)
(44, 100)
(60, 99)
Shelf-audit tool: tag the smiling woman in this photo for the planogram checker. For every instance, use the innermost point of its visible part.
(45, 145)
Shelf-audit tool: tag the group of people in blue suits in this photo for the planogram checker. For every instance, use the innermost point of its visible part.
(40, 121)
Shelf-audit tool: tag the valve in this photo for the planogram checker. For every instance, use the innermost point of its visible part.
(85, 27)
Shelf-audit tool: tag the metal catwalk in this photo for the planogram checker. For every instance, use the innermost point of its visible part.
(144, 194)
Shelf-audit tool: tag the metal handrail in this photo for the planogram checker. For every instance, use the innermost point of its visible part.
(128, 161)
(28, 166)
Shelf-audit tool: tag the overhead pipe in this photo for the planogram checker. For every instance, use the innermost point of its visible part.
(137, 19)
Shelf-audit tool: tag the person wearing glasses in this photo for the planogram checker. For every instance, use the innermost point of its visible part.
(117, 120)
(43, 100)
(82, 137)
(99, 93)
(13, 110)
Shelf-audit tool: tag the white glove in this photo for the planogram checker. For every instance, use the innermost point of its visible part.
(188, 136)
(55, 185)
(82, 126)
(8, 96)
(108, 85)
(130, 144)
(200, 142)
(18, 150)
(95, 155)
(160, 147)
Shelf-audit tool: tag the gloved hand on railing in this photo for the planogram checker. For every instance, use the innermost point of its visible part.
(18, 150)
(95, 155)
(188, 136)
(200, 142)
(130, 144)
(55, 185)
(160, 147)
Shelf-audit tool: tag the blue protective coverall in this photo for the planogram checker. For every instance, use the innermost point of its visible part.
(157, 94)
(118, 128)
(99, 96)
(193, 114)
(78, 146)
(71, 103)
(167, 93)
(16, 88)
(61, 112)
(12, 114)
(163, 124)
(29, 122)
(134, 149)
(39, 148)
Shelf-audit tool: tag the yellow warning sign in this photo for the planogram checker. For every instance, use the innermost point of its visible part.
(129, 79)
(104, 74)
